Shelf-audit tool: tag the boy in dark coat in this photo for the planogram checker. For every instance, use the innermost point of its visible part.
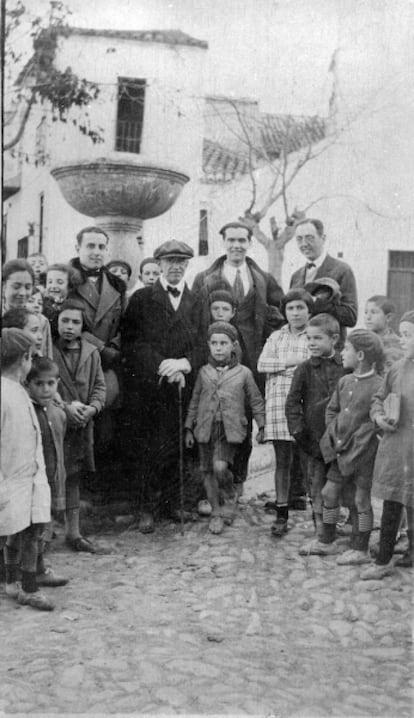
(82, 388)
(313, 384)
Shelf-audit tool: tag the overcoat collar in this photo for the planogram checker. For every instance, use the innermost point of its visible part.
(102, 302)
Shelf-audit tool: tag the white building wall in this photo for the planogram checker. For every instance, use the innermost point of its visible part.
(172, 135)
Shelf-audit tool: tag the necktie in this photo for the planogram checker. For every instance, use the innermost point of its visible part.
(310, 265)
(173, 291)
(94, 272)
(238, 288)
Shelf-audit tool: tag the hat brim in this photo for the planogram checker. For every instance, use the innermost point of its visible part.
(174, 255)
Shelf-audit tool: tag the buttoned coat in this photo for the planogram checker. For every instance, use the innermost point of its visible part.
(87, 386)
(57, 421)
(345, 310)
(267, 296)
(228, 392)
(313, 384)
(394, 464)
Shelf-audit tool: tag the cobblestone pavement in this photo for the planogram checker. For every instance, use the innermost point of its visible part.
(201, 624)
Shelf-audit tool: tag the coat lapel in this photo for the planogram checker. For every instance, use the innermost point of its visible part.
(107, 299)
(65, 376)
(87, 292)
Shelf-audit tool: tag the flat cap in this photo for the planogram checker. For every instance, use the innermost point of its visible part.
(172, 248)
(311, 287)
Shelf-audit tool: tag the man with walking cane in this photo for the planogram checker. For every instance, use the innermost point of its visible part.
(159, 347)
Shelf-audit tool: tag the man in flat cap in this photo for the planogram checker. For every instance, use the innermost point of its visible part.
(258, 298)
(158, 340)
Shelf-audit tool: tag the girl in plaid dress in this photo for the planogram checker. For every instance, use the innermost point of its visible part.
(283, 351)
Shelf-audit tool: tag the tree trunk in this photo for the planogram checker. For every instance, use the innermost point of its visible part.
(276, 254)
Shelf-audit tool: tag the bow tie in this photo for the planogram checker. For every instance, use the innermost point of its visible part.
(310, 265)
(93, 272)
(173, 291)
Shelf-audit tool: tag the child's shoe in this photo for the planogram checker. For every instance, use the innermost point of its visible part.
(12, 589)
(50, 578)
(35, 600)
(279, 528)
(353, 558)
(376, 572)
(204, 508)
(317, 548)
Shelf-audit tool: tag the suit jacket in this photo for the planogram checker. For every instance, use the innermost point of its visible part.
(230, 391)
(153, 331)
(267, 296)
(346, 309)
(102, 312)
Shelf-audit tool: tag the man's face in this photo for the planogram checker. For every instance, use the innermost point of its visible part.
(173, 269)
(92, 250)
(236, 243)
(310, 243)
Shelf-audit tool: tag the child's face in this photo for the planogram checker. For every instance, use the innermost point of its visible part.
(33, 330)
(57, 284)
(38, 264)
(150, 273)
(70, 324)
(297, 314)
(221, 347)
(375, 319)
(35, 303)
(407, 339)
(221, 311)
(120, 271)
(349, 356)
(320, 344)
(43, 388)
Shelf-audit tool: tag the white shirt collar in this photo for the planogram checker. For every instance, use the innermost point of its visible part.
(180, 286)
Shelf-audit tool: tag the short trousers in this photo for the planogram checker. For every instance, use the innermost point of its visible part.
(361, 478)
(217, 449)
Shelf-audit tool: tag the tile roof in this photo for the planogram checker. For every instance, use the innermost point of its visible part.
(227, 158)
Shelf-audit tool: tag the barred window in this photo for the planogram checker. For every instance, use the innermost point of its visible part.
(130, 117)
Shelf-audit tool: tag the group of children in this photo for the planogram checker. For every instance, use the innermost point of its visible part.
(52, 388)
(351, 422)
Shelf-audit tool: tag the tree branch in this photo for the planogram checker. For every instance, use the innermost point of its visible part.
(23, 122)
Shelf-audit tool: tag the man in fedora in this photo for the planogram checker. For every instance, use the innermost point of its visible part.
(158, 339)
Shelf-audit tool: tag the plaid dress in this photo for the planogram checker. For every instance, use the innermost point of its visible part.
(272, 362)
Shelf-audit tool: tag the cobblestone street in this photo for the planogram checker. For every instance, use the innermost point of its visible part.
(201, 624)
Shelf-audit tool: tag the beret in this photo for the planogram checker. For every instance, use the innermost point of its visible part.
(408, 317)
(172, 248)
(324, 282)
(223, 328)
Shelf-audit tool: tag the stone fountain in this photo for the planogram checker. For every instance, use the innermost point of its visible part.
(119, 191)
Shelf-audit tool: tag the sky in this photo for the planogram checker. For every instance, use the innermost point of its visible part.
(276, 51)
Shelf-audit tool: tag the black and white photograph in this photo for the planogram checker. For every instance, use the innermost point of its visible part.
(207, 358)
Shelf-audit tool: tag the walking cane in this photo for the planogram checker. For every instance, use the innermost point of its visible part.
(181, 455)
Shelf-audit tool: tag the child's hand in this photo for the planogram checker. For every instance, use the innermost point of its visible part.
(292, 360)
(75, 412)
(260, 436)
(88, 413)
(384, 424)
(189, 439)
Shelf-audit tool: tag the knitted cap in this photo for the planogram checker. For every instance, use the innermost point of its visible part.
(222, 295)
(408, 317)
(223, 328)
